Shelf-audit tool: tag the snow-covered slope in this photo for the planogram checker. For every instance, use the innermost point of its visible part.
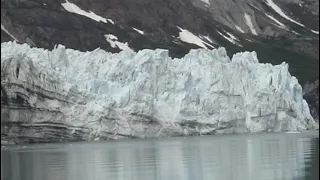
(148, 94)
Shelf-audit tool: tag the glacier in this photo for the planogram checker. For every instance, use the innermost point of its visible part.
(68, 95)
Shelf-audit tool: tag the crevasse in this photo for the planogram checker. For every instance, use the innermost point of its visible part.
(148, 94)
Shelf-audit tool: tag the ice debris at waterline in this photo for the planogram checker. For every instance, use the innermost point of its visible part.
(65, 94)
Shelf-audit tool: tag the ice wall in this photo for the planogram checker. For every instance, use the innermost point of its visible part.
(148, 94)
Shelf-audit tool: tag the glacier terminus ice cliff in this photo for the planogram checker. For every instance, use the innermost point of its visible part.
(68, 95)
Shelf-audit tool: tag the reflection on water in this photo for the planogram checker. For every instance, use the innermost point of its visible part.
(244, 157)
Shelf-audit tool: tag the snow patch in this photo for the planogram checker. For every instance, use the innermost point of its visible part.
(207, 2)
(112, 40)
(255, 7)
(70, 7)
(188, 37)
(210, 45)
(111, 21)
(5, 30)
(231, 38)
(139, 31)
(239, 29)
(294, 32)
(250, 24)
(111, 37)
(315, 32)
(278, 10)
(276, 21)
(208, 39)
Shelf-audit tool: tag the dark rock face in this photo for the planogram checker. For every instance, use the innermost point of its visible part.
(5, 37)
(311, 95)
(306, 11)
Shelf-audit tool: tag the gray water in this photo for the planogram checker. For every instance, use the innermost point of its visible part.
(229, 157)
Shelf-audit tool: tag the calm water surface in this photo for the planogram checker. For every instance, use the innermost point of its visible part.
(229, 157)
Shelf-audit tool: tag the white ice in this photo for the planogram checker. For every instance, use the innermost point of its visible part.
(73, 8)
(205, 86)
